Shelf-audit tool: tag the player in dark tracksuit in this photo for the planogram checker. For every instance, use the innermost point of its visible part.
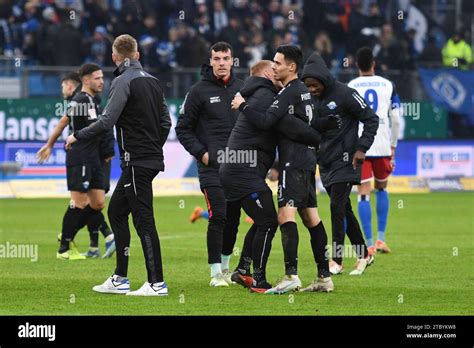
(137, 108)
(341, 154)
(84, 171)
(71, 85)
(244, 183)
(106, 153)
(203, 128)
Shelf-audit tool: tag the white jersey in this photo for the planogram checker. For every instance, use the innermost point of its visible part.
(381, 96)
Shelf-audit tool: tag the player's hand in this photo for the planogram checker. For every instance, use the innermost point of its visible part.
(392, 159)
(108, 159)
(205, 158)
(69, 141)
(43, 154)
(238, 99)
(278, 84)
(334, 121)
(358, 159)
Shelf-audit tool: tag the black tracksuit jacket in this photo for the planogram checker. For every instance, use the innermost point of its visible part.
(206, 120)
(138, 109)
(338, 145)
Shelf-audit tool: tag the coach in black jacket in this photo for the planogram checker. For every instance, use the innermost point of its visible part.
(137, 108)
(341, 152)
(203, 129)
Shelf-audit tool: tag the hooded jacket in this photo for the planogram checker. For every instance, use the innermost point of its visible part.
(206, 120)
(338, 145)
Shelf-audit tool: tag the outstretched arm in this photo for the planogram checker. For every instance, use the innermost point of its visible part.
(43, 154)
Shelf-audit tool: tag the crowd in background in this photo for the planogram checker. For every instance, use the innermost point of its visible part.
(178, 33)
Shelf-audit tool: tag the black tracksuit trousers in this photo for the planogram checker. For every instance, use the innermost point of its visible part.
(341, 208)
(134, 194)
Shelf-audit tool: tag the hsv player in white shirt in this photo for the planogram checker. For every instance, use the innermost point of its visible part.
(380, 95)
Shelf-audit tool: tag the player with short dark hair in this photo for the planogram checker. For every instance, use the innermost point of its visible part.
(203, 128)
(85, 174)
(382, 97)
(70, 85)
(341, 154)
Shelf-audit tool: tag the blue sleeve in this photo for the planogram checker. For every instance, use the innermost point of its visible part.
(395, 98)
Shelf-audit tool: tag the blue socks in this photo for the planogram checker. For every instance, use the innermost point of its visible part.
(205, 215)
(365, 215)
(382, 212)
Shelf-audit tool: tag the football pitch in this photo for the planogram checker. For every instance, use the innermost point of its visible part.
(429, 272)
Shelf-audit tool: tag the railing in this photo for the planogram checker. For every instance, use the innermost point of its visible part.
(44, 81)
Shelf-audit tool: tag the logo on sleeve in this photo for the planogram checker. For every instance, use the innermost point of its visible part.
(331, 105)
(213, 100)
(92, 113)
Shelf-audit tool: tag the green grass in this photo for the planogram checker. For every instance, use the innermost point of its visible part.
(423, 230)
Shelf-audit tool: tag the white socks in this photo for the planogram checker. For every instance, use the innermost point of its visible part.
(225, 262)
(215, 269)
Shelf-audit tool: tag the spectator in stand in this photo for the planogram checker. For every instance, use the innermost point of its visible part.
(10, 40)
(96, 13)
(220, 20)
(100, 48)
(234, 34)
(150, 26)
(203, 26)
(69, 7)
(457, 53)
(389, 52)
(30, 26)
(257, 49)
(166, 57)
(69, 48)
(323, 46)
(190, 47)
(46, 33)
(431, 55)
(357, 21)
(147, 49)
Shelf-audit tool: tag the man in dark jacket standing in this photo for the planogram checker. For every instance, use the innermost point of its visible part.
(341, 154)
(203, 129)
(137, 107)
